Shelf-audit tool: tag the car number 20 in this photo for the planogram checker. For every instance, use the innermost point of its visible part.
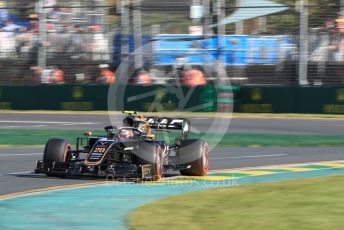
(99, 150)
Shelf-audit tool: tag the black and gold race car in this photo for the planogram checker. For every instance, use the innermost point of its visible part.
(131, 151)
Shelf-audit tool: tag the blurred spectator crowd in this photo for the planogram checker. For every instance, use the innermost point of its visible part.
(327, 42)
(68, 33)
(80, 34)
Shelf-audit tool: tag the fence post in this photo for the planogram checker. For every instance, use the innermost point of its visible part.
(137, 30)
(303, 41)
(221, 28)
(42, 55)
(239, 26)
(125, 39)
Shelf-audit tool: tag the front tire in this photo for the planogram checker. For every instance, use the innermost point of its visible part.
(196, 154)
(56, 152)
(150, 153)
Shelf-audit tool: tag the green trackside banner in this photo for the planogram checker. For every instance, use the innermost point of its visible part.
(158, 98)
(291, 99)
(95, 97)
(53, 97)
(207, 98)
(245, 99)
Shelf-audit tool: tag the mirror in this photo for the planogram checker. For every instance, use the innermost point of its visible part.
(152, 136)
(88, 133)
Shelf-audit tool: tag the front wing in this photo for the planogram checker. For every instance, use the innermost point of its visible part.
(117, 170)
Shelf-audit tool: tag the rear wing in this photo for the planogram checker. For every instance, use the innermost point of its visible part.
(165, 123)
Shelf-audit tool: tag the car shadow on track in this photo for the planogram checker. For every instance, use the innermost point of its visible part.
(42, 176)
(81, 178)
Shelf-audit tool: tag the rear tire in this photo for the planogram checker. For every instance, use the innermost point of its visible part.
(195, 153)
(56, 151)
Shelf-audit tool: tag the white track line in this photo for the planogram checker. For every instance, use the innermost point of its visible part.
(50, 122)
(17, 173)
(255, 156)
(20, 154)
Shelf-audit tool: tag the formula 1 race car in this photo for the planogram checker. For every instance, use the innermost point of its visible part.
(131, 151)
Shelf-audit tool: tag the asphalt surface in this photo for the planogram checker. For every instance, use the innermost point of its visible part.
(17, 164)
(235, 125)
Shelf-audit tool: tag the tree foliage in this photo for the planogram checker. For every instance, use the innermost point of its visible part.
(287, 22)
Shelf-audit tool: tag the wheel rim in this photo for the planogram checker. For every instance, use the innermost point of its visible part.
(205, 158)
(158, 165)
(67, 149)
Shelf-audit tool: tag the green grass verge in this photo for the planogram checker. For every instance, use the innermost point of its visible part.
(312, 204)
(40, 137)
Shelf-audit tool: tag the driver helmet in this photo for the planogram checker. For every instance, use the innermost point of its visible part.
(111, 135)
(129, 121)
(125, 134)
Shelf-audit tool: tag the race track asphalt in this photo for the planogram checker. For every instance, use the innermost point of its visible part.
(16, 164)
